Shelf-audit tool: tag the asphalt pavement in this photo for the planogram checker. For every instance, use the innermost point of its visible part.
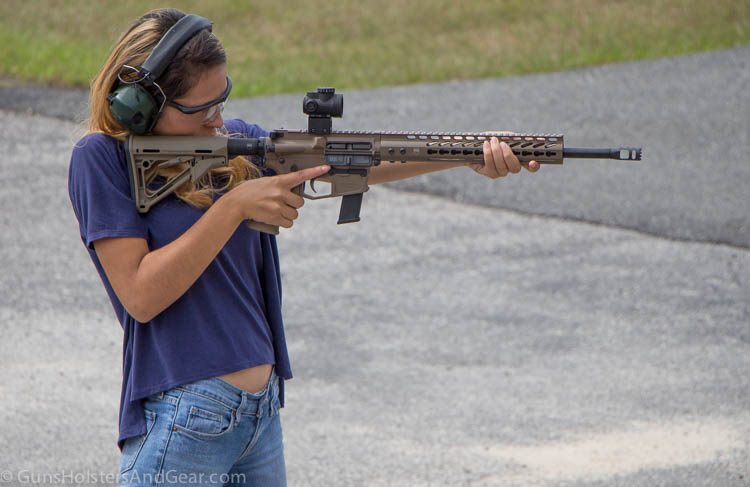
(588, 325)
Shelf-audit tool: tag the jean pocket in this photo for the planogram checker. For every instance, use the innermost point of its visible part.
(205, 424)
(133, 446)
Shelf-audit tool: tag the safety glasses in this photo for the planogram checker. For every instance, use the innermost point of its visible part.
(212, 109)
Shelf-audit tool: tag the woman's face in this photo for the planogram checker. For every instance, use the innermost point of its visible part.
(211, 86)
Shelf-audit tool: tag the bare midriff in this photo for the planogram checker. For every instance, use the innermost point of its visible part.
(252, 380)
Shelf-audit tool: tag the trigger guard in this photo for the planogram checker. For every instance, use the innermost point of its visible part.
(309, 196)
(314, 197)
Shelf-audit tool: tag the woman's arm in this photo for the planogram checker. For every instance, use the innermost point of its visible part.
(147, 282)
(499, 160)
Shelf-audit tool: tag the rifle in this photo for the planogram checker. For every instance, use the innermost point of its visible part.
(350, 154)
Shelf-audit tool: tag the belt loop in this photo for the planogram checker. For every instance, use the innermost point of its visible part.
(238, 412)
(261, 405)
(273, 384)
(274, 397)
(263, 402)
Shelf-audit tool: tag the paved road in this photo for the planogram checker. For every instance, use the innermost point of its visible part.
(443, 342)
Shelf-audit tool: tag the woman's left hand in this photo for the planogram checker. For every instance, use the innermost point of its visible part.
(499, 160)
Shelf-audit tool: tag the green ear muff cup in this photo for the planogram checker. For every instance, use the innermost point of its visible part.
(133, 107)
(131, 104)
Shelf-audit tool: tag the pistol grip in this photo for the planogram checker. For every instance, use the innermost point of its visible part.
(350, 206)
(273, 229)
(263, 227)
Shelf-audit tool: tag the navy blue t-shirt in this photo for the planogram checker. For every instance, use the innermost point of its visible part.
(228, 320)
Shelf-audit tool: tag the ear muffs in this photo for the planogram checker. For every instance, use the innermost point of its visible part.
(134, 108)
(131, 103)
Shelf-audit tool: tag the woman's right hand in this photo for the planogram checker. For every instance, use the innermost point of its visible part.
(148, 281)
(271, 199)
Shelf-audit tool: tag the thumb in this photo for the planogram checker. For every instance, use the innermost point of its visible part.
(298, 177)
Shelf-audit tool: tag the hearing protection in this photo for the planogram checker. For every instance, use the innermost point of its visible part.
(137, 104)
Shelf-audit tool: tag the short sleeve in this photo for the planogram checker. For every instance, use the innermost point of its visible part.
(237, 126)
(99, 190)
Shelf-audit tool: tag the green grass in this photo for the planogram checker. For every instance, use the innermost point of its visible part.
(296, 45)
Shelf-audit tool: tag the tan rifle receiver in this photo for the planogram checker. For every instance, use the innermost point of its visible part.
(351, 155)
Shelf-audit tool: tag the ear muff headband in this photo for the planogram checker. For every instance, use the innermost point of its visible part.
(173, 40)
(132, 103)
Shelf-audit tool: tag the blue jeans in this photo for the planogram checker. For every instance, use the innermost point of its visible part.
(208, 432)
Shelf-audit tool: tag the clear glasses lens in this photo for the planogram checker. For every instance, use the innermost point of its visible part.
(213, 111)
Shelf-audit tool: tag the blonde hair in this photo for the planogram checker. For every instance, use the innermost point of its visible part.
(203, 51)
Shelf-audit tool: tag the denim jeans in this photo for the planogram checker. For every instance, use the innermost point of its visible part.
(208, 432)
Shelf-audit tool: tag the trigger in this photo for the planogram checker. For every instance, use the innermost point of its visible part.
(314, 196)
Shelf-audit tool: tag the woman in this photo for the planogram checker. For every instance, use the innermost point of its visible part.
(197, 293)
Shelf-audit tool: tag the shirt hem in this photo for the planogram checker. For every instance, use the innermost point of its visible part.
(136, 395)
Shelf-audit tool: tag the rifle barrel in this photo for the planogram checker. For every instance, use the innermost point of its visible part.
(619, 153)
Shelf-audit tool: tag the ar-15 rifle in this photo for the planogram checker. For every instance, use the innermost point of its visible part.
(350, 154)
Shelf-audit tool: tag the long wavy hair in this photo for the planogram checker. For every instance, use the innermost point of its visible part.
(202, 52)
